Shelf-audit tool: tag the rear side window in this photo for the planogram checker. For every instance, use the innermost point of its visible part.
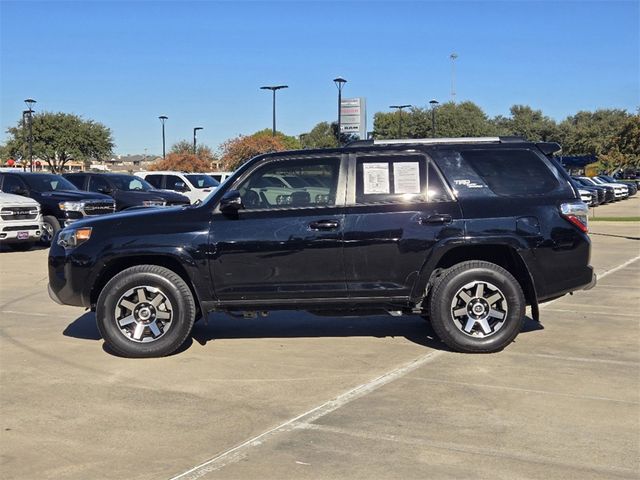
(155, 180)
(512, 172)
(397, 179)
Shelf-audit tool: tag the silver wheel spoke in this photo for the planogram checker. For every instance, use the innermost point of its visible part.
(163, 315)
(128, 305)
(137, 334)
(484, 324)
(496, 314)
(123, 322)
(480, 290)
(154, 329)
(459, 312)
(141, 295)
(464, 296)
(469, 325)
(494, 298)
(157, 300)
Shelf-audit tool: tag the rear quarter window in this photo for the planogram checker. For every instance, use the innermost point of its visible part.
(512, 172)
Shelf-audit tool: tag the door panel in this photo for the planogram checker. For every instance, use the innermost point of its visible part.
(286, 243)
(395, 223)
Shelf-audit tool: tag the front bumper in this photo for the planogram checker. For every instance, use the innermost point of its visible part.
(12, 236)
(590, 285)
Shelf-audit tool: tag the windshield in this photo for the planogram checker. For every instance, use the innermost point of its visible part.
(202, 181)
(129, 183)
(296, 182)
(597, 180)
(606, 178)
(46, 182)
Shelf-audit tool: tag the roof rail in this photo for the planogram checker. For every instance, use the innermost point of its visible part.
(436, 141)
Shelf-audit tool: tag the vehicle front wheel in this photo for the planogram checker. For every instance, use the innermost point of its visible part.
(145, 311)
(50, 227)
(477, 306)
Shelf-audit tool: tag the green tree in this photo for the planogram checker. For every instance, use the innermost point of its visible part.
(528, 123)
(591, 133)
(320, 136)
(60, 137)
(623, 151)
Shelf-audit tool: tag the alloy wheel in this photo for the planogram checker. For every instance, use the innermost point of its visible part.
(479, 309)
(143, 314)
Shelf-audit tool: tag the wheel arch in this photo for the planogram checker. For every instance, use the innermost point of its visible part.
(502, 254)
(119, 264)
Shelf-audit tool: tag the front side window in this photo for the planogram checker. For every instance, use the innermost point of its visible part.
(174, 182)
(202, 181)
(77, 180)
(98, 184)
(282, 184)
(397, 179)
(129, 183)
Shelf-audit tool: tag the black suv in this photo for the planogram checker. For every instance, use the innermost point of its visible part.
(61, 202)
(466, 232)
(127, 190)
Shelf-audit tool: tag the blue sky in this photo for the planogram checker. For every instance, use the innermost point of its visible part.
(202, 63)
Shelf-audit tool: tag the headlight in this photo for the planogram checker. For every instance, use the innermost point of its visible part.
(71, 206)
(70, 238)
(153, 203)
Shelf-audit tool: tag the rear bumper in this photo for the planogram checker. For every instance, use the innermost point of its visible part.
(590, 285)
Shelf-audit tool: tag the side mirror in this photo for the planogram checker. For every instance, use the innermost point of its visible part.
(231, 202)
(106, 190)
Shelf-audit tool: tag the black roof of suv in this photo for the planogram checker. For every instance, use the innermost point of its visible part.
(466, 232)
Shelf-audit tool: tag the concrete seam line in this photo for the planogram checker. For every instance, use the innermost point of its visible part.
(601, 276)
(473, 450)
(235, 453)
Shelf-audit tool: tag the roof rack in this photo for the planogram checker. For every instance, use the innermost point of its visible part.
(436, 141)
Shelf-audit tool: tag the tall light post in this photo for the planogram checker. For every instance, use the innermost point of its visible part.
(339, 81)
(29, 102)
(399, 108)
(194, 138)
(274, 89)
(433, 104)
(453, 57)
(163, 118)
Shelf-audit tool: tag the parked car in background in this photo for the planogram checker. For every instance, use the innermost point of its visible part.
(607, 193)
(220, 176)
(20, 221)
(587, 197)
(626, 188)
(195, 186)
(127, 190)
(61, 203)
(466, 232)
(620, 191)
(633, 187)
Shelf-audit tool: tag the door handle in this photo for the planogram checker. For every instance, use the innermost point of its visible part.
(436, 219)
(324, 225)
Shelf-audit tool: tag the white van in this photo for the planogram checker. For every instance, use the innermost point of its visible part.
(196, 186)
(20, 221)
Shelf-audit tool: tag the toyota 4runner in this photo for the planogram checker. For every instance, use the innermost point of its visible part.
(466, 232)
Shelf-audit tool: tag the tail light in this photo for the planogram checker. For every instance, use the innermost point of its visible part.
(576, 213)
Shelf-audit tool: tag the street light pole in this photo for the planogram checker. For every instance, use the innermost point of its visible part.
(339, 81)
(433, 104)
(274, 89)
(163, 118)
(194, 138)
(29, 102)
(399, 108)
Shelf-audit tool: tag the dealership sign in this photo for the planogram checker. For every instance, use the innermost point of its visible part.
(353, 113)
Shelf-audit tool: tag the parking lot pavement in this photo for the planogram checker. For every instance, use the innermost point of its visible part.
(298, 396)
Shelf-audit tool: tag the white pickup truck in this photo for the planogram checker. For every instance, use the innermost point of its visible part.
(20, 221)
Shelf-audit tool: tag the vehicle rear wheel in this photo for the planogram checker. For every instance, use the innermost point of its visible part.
(477, 306)
(50, 227)
(145, 311)
(21, 246)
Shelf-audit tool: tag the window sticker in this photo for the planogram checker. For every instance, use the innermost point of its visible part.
(376, 178)
(406, 177)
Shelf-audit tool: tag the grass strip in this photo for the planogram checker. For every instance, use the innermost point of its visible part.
(614, 219)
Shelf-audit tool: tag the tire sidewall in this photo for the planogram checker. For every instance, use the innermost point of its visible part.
(441, 309)
(165, 345)
(55, 227)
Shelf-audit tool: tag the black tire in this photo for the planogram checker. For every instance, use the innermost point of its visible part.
(51, 226)
(119, 325)
(459, 290)
(20, 246)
